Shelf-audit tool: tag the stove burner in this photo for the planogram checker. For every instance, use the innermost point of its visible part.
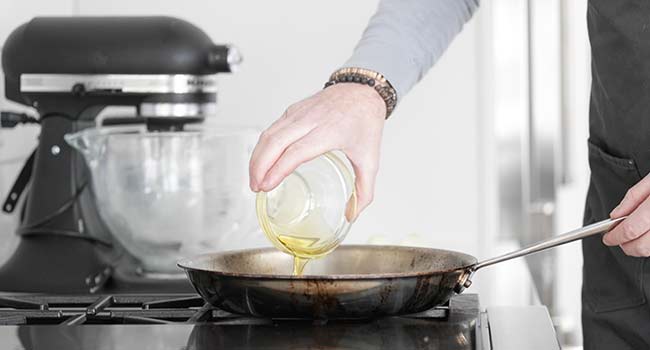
(33, 309)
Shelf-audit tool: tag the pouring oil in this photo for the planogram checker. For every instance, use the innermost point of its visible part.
(295, 224)
(307, 239)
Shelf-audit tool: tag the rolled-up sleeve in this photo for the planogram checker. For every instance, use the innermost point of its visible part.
(406, 37)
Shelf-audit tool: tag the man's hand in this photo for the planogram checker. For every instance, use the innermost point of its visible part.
(633, 233)
(347, 117)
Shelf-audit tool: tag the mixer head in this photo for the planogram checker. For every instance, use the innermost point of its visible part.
(163, 66)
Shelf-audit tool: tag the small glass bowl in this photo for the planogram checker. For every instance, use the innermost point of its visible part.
(310, 212)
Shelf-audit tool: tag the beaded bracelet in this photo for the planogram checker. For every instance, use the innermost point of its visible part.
(370, 78)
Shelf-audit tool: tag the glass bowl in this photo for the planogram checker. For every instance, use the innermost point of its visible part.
(310, 212)
(167, 195)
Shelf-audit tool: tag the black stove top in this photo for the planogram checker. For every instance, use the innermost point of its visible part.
(184, 321)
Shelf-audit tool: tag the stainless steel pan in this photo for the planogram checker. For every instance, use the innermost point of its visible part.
(354, 281)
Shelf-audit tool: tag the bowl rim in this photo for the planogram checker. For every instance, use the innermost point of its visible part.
(117, 131)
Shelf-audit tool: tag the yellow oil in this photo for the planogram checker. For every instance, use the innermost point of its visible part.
(306, 239)
(297, 230)
(299, 265)
(304, 249)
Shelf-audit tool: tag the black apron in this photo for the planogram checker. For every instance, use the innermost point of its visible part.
(615, 312)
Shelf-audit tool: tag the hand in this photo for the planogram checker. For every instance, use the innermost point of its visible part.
(633, 233)
(347, 117)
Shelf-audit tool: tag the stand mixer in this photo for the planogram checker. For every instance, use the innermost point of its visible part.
(69, 69)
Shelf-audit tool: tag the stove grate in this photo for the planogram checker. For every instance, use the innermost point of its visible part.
(73, 310)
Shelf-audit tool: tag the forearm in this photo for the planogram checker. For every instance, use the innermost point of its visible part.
(406, 37)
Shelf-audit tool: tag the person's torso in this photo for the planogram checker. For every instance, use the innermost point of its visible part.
(615, 288)
(619, 32)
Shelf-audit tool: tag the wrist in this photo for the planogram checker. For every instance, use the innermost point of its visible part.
(365, 77)
(350, 96)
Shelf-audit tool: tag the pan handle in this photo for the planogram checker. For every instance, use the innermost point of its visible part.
(583, 232)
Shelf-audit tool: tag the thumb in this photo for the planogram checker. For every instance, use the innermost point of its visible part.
(364, 184)
(634, 196)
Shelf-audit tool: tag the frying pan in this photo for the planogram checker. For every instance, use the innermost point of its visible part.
(354, 281)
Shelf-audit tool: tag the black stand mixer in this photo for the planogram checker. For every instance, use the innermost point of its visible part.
(69, 69)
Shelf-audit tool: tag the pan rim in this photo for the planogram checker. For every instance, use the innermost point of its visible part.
(186, 262)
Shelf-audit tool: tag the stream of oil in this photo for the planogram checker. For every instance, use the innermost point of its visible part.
(303, 233)
(299, 265)
(303, 249)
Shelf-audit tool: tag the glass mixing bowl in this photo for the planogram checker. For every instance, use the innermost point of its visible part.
(166, 195)
(309, 213)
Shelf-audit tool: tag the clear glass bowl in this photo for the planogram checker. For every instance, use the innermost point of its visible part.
(166, 195)
(311, 211)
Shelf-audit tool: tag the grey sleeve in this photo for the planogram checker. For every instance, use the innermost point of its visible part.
(406, 37)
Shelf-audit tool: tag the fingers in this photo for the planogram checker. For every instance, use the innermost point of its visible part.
(269, 148)
(364, 186)
(314, 144)
(634, 196)
(639, 247)
(365, 165)
(344, 117)
(365, 171)
(637, 224)
(307, 148)
(632, 234)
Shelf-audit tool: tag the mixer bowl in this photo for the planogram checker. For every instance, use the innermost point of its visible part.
(165, 195)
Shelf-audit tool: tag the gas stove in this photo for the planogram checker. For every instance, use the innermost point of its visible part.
(185, 321)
